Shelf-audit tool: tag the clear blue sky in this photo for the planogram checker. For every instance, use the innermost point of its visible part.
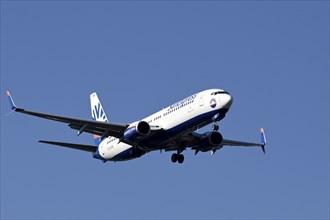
(273, 57)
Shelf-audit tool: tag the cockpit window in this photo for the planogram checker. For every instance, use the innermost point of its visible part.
(219, 92)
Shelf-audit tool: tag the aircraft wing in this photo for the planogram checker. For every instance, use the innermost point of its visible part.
(239, 143)
(192, 140)
(179, 142)
(102, 129)
(247, 144)
(82, 125)
(243, 144)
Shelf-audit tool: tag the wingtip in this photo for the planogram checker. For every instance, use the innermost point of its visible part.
(263, 140)
(263, 149)
(11, 101)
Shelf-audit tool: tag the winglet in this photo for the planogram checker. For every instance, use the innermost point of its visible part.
(263, 140)
(11, 101)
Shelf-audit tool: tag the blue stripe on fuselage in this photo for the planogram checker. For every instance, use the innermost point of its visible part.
(128, 154)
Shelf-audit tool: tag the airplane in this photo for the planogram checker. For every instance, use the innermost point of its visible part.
(171, 129)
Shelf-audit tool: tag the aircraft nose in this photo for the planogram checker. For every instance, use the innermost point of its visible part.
(228, 100)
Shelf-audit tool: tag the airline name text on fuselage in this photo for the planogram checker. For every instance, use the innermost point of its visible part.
(182, 102)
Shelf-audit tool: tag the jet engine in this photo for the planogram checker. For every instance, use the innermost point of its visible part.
(138, 130)
(210, 140)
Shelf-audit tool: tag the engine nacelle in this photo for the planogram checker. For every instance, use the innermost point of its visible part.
(137, 131)
(210, 140)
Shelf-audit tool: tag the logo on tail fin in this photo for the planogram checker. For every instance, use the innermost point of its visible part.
(98, 113)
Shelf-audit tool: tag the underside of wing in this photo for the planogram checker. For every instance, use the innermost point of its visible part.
(82, 147)
(240, 143)
(180, 142)
(262, 143)
(206, 141)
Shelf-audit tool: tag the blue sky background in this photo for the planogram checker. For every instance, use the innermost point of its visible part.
(273, 57)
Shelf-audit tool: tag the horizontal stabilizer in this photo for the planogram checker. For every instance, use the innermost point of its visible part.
(82, 147)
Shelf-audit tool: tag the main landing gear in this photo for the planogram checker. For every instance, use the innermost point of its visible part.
(177, 157)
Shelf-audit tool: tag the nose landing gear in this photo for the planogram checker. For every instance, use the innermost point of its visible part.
(215, 127)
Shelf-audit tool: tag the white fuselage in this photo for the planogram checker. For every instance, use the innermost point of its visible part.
(184, 116)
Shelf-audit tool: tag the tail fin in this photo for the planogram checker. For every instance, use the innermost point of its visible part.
(263, 139)
(98, 114)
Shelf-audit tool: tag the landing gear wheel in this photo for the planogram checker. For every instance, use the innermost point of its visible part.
(174, 158)
(177, 158)
(215, 127)
(180, 158)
